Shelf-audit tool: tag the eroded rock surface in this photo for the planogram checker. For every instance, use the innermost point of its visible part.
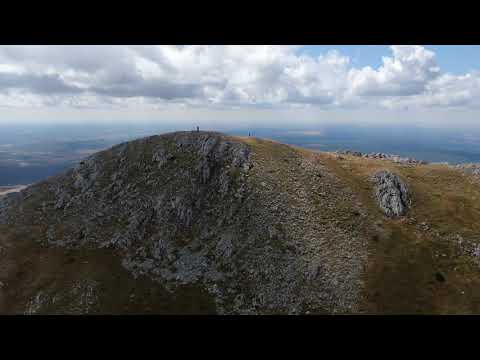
(257, 230)
(392, 193)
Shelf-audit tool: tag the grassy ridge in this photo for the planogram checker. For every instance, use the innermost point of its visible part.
(413, 270)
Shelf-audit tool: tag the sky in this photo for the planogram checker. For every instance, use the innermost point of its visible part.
(431, 86)
(455, 59)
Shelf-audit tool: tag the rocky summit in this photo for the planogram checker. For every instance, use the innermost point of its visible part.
(205, 223)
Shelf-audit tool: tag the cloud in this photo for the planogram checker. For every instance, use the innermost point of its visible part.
(149, 88)
(406, 73)
(223, 75)
(153, 77)
(37, 84)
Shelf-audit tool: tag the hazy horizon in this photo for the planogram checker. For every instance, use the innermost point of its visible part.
(32, 153)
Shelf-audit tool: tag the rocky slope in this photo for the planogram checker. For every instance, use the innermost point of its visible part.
(200, 222)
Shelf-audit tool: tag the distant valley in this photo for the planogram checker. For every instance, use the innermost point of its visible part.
(28, 155)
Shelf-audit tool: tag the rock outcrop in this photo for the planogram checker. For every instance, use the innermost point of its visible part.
(473, 169)
(383, 156)
(392, 193)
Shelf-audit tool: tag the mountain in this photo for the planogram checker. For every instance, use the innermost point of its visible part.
(204, 223)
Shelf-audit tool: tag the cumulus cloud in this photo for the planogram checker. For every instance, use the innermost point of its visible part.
(406, 73)
(219, 76)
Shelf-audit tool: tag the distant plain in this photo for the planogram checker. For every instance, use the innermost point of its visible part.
(31, 153)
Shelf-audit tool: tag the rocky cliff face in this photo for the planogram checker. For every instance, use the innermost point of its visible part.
(200, 209)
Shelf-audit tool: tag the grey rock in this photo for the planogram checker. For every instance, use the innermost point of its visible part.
(472, 169)
(392, 193)
(383, 156)
(162, 156)
(476, 251)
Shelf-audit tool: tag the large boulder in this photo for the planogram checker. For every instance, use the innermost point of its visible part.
(392, 193)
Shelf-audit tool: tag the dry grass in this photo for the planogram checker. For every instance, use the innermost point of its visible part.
(27, 269)
(404, 261)
(406, 264)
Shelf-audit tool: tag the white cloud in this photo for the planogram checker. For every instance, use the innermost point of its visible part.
(158, 77)
(406, 73)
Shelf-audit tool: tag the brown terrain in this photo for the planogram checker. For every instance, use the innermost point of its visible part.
(206, 223)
